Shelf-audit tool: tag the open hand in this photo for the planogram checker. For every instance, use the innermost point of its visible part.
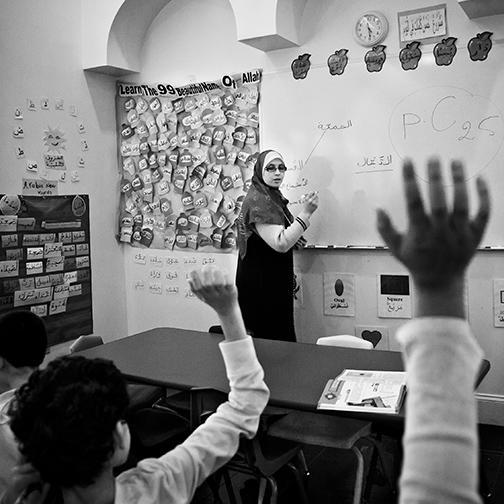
(214, 288)
(437, 247)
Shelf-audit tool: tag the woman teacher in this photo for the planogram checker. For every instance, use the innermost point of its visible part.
(267, 235)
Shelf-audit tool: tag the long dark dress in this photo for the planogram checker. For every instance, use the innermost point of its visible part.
(265, 282)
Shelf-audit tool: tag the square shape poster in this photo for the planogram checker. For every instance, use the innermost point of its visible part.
(394, 296)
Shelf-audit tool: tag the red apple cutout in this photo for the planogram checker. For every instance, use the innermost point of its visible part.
(445, 51)
(300, 66)
(410, 55)
(480, 46)
(375, 58)
(337, 62)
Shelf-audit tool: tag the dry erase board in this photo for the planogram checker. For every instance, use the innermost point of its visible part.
(346, 136)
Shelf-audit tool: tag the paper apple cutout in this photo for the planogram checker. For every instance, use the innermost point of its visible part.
(375, 58)
(445, 51)
(337, 62)
(300, 66)
(410, 55)
(480, 46)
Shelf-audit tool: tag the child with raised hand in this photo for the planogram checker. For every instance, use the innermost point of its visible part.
(441, 355)
(69, 420)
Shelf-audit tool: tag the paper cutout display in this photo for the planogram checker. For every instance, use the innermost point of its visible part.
(410, 55)
(181, 149)
(375, 58)
(445, 51)
(479, 46)
(337, 62)
(300, 66)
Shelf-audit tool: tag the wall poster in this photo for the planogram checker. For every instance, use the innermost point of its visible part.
(45, 262)
(186, 158)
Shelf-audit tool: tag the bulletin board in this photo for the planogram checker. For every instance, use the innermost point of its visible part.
(346, 134)
(186, 157)
(45, 263)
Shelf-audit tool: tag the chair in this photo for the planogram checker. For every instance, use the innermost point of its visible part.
(335, 432)
(345, 340)
(261, 457)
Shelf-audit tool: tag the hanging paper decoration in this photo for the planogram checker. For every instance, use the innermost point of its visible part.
(479, 46)
(300, 66)
(181, 149)
(54, 139)
(410, 55)
(445, 51)
(337, 62)
(375, 58)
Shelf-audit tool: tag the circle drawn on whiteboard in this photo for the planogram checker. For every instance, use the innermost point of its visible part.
(10, 204)
(78, 206)
(339, 287)
(450, 123)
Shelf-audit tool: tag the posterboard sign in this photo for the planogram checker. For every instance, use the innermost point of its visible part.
(498, 287)
(339, 294)
(394, 296)
(45, 263)
(186, 158)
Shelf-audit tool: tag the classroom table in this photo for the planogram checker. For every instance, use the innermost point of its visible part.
(295, 373)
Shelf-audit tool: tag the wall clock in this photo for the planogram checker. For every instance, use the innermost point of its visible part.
(371, 28)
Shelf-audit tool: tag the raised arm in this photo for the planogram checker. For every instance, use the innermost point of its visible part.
(441, 355)
(176, 475)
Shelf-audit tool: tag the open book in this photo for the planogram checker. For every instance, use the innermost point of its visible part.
(365, 391)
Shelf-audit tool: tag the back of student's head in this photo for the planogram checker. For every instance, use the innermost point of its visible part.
(64, 418)
(23, 339)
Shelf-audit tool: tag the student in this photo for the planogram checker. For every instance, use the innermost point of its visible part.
(69, 422)
(441, 355)
(23, 344)
(267, 235)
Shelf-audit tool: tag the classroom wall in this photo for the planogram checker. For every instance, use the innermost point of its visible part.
(40, 51)
(192, 41)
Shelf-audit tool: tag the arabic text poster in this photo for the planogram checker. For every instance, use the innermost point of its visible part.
(498, 287)
(339, 294)
(394, 296)
(44, 261)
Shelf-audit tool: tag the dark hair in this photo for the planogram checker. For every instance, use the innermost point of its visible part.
(64, 418)
(23, 338)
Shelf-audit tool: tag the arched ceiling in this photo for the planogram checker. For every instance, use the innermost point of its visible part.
(113, 31)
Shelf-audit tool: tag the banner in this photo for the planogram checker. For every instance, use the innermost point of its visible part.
(186, 156)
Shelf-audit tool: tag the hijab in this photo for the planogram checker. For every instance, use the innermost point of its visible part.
(262, 204)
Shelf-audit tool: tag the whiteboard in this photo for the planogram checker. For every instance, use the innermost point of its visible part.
(346, 136)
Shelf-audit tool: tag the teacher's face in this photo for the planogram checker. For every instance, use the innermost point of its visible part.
(273, 173)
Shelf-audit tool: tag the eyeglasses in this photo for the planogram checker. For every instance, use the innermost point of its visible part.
(272, 168)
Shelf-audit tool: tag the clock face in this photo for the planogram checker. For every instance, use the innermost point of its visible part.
(371, 28)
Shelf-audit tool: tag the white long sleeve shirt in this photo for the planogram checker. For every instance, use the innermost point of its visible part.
(174, 477)
(440, 441)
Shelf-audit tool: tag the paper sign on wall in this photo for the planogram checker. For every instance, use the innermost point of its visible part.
(394, 296)
(339, 294)
(298, 289)
(498, 287)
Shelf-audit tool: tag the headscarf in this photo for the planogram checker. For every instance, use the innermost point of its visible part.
(262, 204)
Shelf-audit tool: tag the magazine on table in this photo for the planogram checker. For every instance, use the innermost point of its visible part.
(365, 391)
